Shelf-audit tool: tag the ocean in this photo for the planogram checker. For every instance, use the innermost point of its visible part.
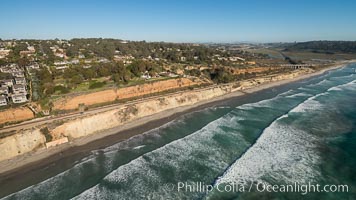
(293, 136)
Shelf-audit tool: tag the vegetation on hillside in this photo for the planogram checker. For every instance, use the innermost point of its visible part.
(330, 47)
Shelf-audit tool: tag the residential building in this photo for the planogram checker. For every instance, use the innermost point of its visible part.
(75, 61)
(33, 66)
(31, 48)
(62, 67)
(4, 53)
(103, 60)
(125, 59)
(4, 89)
(26, 53)
(146, 75)
(20, 81)
(10, 68)
(19, 88)
(61, 63)
(19, 98)
(236, 58)
(3, 101)
(18, 74)
(8, 82)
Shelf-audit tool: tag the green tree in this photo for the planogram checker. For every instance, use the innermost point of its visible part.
(76, 79)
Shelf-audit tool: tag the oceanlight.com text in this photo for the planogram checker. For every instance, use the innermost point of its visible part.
(258, 187)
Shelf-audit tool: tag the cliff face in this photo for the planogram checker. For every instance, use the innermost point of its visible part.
(106, 120)
(15, 114)
(21, 143)
(70, 102)
(29, 140)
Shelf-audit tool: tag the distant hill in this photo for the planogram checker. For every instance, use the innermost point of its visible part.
(324, 46)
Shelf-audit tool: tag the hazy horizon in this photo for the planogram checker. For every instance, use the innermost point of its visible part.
(197, 42)
(180, 21)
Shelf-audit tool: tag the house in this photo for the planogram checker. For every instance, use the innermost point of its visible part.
(8, 82)
(103, 60)
(20, 81)
(125, 59)
(33, 66)
(60, 63)
(18, 74)
(236, 58)
(19, 88)
(4, 89)
(3, 101)
(26, 53)
(62, 67)
(75, 61)
(4, 53)
(31, 48)
(61, 55)
(10, 68)
(146, 75)
(19, 98)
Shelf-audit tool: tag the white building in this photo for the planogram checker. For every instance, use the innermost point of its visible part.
(62, 67)
(4, 89)
(3, 101)
(4, 53)
(20, 81)
(19, 88)
(236, 58)
(19, 98)
(8, 82)
(18, 74)
(146, 75)
(33, 66)
(103, 60)
(60, 63)
(75, 61)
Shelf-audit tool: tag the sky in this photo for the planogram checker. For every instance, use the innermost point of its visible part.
(180, 20)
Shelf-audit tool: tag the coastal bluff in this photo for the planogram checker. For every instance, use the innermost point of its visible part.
(25, 141)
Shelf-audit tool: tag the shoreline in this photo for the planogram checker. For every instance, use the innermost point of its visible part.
(82, 147)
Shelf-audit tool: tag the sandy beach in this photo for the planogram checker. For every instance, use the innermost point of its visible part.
(11, 169)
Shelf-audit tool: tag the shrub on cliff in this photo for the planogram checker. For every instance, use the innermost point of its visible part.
(46, 133)
(94, 84)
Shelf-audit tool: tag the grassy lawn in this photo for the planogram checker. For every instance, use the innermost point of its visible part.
(100, 84)
(97, 84)
(139, 81)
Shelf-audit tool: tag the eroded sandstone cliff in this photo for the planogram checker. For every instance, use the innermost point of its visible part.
(28, 140)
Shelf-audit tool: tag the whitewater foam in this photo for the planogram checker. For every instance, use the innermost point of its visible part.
(282, 151)
(141, 172)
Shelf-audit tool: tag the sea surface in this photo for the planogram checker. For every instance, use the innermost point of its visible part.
(303, 133)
